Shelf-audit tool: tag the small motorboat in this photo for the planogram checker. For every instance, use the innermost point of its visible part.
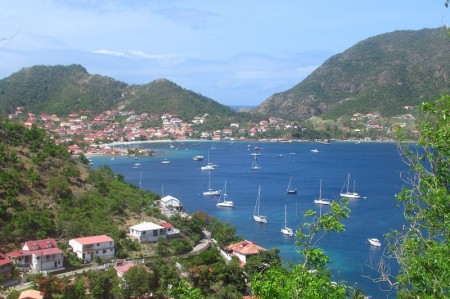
(374, 242)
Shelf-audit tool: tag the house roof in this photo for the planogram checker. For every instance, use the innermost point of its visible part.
(145, 226)
(93, 239)
(39, 244)
(169, 198)
(124, 268)
(31, 294)
(4, 260)
(245, 248)
(167, 225)
(42, 252)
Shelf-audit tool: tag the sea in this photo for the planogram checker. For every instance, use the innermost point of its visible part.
(376, 172)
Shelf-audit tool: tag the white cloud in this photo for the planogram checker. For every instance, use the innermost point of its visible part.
(109, 52)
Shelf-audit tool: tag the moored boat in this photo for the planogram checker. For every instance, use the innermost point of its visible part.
(320, 200)
(374, 242)
(256, 215)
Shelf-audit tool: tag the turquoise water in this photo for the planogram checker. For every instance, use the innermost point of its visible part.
(375, 167)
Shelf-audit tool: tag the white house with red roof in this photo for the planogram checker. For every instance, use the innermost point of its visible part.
(40, 255)
(89, 248)
(243, 250)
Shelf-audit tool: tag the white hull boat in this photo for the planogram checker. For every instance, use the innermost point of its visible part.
(320, 200)
(256, 215)
(374, 242)
(211, 191)
(349, 194)
(224, 203)
(286, 230)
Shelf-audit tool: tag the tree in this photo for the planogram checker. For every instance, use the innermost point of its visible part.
(223, 233)
(310, 279)
(183, 290)
(103, 284)
(422, 247)
(137, 281)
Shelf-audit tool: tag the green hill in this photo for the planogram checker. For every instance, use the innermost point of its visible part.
(164, 96)
(380, 74)
(44, 192)
(58, 89)
(69, 89)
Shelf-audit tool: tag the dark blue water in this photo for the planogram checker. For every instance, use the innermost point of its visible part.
(375, 167)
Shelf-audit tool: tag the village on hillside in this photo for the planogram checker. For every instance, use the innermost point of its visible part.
(98, 252)
(85, 132)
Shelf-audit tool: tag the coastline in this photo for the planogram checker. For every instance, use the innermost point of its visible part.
(119, 153)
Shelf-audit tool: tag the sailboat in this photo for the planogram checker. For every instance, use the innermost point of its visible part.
(286, 230)
(224, 202)
(349, 194)
(256, 216)
(209, 166)
(165, 160)
(320, 200)
(211, 191)
(255, 165)
(291, 190)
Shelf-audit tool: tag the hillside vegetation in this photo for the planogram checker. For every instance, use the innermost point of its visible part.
(380, 74)
(45, 192)
(63, 90)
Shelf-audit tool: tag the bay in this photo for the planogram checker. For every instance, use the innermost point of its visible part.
(375, 167)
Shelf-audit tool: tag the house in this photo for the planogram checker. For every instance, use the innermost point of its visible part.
(147, 232)
(122, 269)
(31, 294)
(171, 231)
(39, 255)
(90, 248)
(170, 206)
(5, 266)
(243, 250)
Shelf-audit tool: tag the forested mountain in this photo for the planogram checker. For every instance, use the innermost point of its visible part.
(380, 74)
(60, 90)
(164, 96)
(70, 89)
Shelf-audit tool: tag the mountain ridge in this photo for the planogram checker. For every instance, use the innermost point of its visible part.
(69, 89)
(379, 74)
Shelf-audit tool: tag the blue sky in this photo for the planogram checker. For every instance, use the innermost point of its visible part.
(235, 52)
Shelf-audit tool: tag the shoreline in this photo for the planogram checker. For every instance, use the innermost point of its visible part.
(111, 145)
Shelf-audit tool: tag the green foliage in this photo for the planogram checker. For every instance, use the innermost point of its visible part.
(422, 247)
(104, 284)
(280, 283)
(184, 290)
(138, 281)
(264, 260)
(223, 233)
(59, 89)
(311, 279)
(43, 192)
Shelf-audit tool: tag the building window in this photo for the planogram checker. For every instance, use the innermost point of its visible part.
(104, 250)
